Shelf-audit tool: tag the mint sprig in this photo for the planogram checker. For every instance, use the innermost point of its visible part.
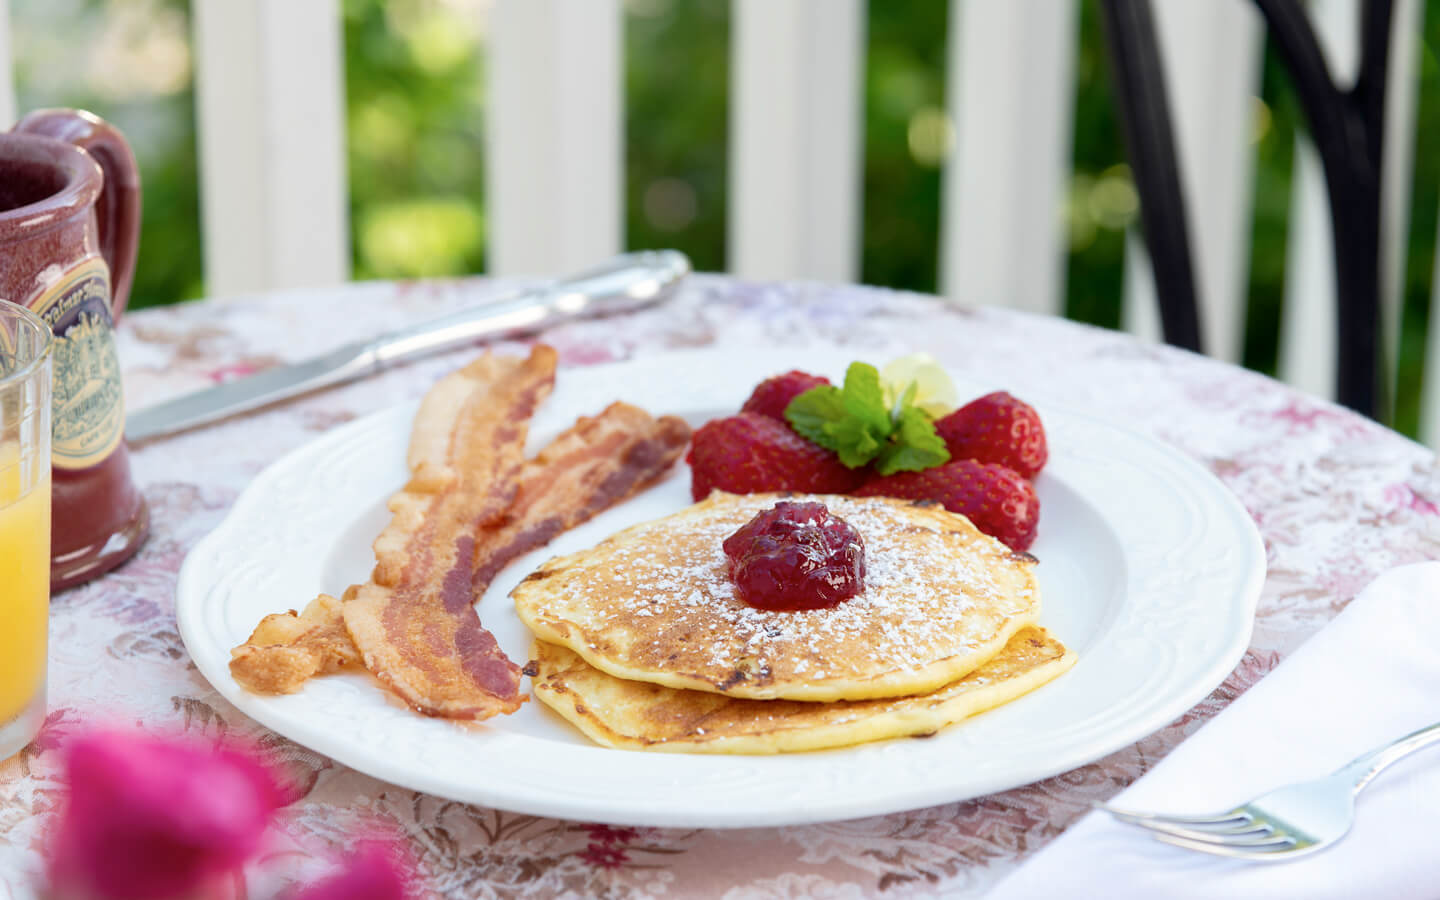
(854, 422)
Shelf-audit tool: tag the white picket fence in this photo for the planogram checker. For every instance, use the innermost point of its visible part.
(269, 88)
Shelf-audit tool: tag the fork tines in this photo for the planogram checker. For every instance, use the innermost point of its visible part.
(1235, 830)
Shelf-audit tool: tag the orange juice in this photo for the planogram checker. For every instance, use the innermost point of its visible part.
(24, 585)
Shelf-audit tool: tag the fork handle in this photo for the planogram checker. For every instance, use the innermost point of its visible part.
(1366, 766)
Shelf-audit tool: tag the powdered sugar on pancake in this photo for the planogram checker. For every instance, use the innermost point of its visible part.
(655, 603)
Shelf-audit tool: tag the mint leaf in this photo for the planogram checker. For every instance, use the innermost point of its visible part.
(856, 441)
(811, 411)
(861, 434)
(914, 446)
(865, 399)
(906, 399)
(854, 422)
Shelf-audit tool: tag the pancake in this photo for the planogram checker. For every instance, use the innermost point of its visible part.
(654, 603)
(633, 715)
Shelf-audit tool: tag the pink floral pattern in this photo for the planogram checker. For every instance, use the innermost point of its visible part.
(1337, 498)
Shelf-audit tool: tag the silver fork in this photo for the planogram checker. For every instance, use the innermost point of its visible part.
(1287, 822)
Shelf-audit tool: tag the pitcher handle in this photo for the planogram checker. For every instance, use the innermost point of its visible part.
(117, 210)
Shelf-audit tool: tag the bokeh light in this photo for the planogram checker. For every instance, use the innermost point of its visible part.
(416, 238)
(670, 204)
(931, 136)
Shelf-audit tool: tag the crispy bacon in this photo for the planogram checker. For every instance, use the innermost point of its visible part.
(466, 452)
(436, 655)
(588, 468)
(414, 622)
(286, 649)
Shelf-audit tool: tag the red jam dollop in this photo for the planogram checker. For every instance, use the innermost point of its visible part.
(796, 555)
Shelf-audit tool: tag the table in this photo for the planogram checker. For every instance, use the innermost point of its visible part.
(1337, 498)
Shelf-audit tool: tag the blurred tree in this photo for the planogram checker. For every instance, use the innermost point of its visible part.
(135, 72)
(1278, 118)
(906, 135)
(414, 99)
(1419, 269)
(677, 85)
(1095, 269)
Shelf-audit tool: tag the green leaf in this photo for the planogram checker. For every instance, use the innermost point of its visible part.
(854, 422)
(862, 434)
(811, 411)
(865, 399)
(856, 441)
(907, 399)
(914, 446)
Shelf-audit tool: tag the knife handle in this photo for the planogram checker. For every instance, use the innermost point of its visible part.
(628, 282)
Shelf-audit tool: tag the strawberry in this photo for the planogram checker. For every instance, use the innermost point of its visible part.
(995, 498)
(751, 454)
(772, 395)
(996, 428)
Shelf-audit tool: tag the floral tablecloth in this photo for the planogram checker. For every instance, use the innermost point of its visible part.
(1337, 498)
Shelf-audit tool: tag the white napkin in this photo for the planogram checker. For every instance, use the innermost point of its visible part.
(1369, 677)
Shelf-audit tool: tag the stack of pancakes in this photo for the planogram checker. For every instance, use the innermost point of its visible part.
(643, 644)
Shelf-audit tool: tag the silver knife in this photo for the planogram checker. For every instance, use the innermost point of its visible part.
(627, 282)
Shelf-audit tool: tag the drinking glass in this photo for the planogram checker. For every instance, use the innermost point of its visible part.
(25, 359)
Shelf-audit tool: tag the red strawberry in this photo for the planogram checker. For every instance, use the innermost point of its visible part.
(751, 454)
(996, 428)
(994, 497)
(772, 395)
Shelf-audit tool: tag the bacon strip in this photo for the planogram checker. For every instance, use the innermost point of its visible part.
(595, 464)
(413, 621)
(419, 631)
(466, 452)
(461, 673)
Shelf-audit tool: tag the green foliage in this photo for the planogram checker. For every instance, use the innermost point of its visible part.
(915, 445)
(168, 266)
(904, 79)
(1279, 122)
(158, 118)
(1094, 278)
(1420, 263)
(855, 422)
(677, 80)
(414, 102)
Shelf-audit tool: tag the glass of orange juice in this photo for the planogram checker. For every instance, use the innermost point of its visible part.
(25, 343)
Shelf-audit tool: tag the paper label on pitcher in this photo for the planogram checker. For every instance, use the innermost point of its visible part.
(88, 406)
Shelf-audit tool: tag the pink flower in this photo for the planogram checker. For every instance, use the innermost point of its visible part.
(375, 872)
(152, 819)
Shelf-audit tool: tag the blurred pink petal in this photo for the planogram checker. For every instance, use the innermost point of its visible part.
(375, 872)
(152, 819)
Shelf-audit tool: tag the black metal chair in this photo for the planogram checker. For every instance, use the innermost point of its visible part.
(1348, 130)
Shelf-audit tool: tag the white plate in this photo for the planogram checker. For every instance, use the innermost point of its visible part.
(1149, 569)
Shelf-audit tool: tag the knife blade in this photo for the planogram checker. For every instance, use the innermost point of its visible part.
(628, 282)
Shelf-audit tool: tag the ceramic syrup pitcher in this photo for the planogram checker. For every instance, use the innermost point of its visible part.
(69, 229)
